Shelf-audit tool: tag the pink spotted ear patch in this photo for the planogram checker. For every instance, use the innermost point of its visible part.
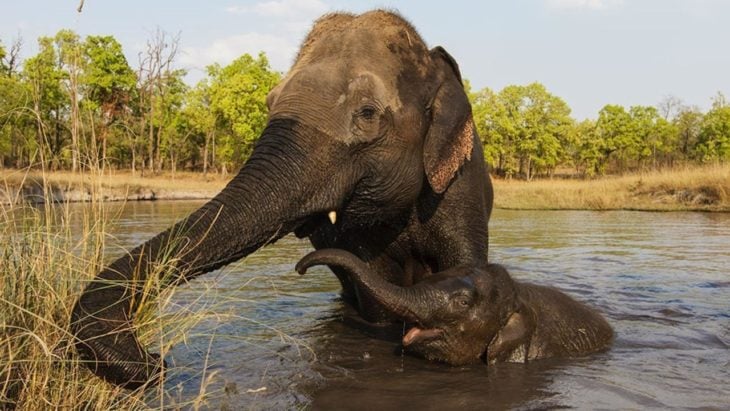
(449, 162)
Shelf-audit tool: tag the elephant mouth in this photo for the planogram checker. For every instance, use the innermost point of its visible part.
(311, 225)
(417, 334)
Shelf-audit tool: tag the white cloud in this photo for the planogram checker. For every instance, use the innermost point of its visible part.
(279, 50)
(283, 8)
(584, 4)
(285, 22)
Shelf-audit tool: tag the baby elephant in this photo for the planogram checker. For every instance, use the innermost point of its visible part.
(466, 314)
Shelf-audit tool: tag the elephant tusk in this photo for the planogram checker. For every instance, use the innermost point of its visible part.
(333, 216)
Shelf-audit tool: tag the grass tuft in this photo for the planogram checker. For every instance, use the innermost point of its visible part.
(48, 255)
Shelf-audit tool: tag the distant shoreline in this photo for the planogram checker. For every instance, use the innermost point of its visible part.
(36, 187)
(687, 189)
(695, 188)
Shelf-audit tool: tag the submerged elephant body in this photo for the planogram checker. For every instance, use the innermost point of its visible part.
(369, 127)
(467, 314)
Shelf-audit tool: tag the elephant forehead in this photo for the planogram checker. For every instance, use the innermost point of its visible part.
(365, 85)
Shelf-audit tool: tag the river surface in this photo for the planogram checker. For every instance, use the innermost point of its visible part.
(279, 340)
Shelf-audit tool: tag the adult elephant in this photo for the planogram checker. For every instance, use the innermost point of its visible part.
(370, 147)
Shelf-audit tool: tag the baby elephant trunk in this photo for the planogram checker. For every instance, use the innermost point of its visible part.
(406, 302)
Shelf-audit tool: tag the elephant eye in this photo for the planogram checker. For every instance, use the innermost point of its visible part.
(367, 112)
(462, 301)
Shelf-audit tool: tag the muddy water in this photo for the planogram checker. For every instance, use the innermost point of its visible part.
(280, 342)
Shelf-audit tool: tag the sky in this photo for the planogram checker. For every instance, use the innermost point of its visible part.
(588, 52)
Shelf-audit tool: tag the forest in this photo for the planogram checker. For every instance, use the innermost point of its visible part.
(79, 104)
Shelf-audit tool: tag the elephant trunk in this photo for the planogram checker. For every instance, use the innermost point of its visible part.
(409, 303)
(265, 201)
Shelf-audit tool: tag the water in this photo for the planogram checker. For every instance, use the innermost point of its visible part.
(279, 341)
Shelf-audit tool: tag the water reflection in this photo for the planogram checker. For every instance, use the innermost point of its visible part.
(279, 340)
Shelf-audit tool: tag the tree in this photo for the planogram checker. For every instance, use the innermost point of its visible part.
(238, 95)
(655, 136)
(109, 83)
(16, 128)
(669, 107)
(172, 127)
(547, 123)
(16, 135)
(155, 65)
(586, 149)
(50, 103)
(10, 59)
(492, 126)
(688, 124)
(614, 130)
(202, 120)
(522, 127)
(71, 62)
(714, 136)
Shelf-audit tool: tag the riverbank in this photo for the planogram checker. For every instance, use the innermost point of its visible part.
(64, 186)
(687, 189)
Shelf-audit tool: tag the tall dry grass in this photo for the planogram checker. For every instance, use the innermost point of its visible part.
(705, 188)
(47, 256)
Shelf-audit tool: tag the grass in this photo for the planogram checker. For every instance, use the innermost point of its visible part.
(47, 257)
(704, 188)
(49, 254)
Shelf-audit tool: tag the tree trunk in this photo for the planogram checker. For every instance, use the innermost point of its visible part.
(158, 149)
(205, 153)
(151, 141)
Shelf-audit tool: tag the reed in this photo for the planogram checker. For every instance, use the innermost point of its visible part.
(705, 188)
(48, 255)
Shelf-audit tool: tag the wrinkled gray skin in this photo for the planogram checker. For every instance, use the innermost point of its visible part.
(368, 123)
(467, 314)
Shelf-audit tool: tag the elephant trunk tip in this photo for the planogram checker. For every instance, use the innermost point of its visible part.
(325, 256)
(304, 264)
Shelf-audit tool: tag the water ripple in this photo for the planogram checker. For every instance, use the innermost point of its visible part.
(660, 278)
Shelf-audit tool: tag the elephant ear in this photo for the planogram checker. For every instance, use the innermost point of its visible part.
(512, 342)
(450, 138)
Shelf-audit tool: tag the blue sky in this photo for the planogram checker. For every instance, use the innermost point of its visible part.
(589, 52)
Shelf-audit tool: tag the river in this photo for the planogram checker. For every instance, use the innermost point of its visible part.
(277, 340)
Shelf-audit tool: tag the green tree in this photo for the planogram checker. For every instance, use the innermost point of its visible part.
(71, 63)
(655, 137)
(587, 149)
(238, 95)
(202, 121)
(17, 144)
(10, 58)
(3, 63)
(109, 84)
(44, 74)
(714, 136)
(172, 128)
(525, 125)
(688, 124)
(546, 129)
(492, 126)
(615, 131)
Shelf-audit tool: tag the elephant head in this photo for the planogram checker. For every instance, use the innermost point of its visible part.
(466, 313)
(366, 124)
(455, 313)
